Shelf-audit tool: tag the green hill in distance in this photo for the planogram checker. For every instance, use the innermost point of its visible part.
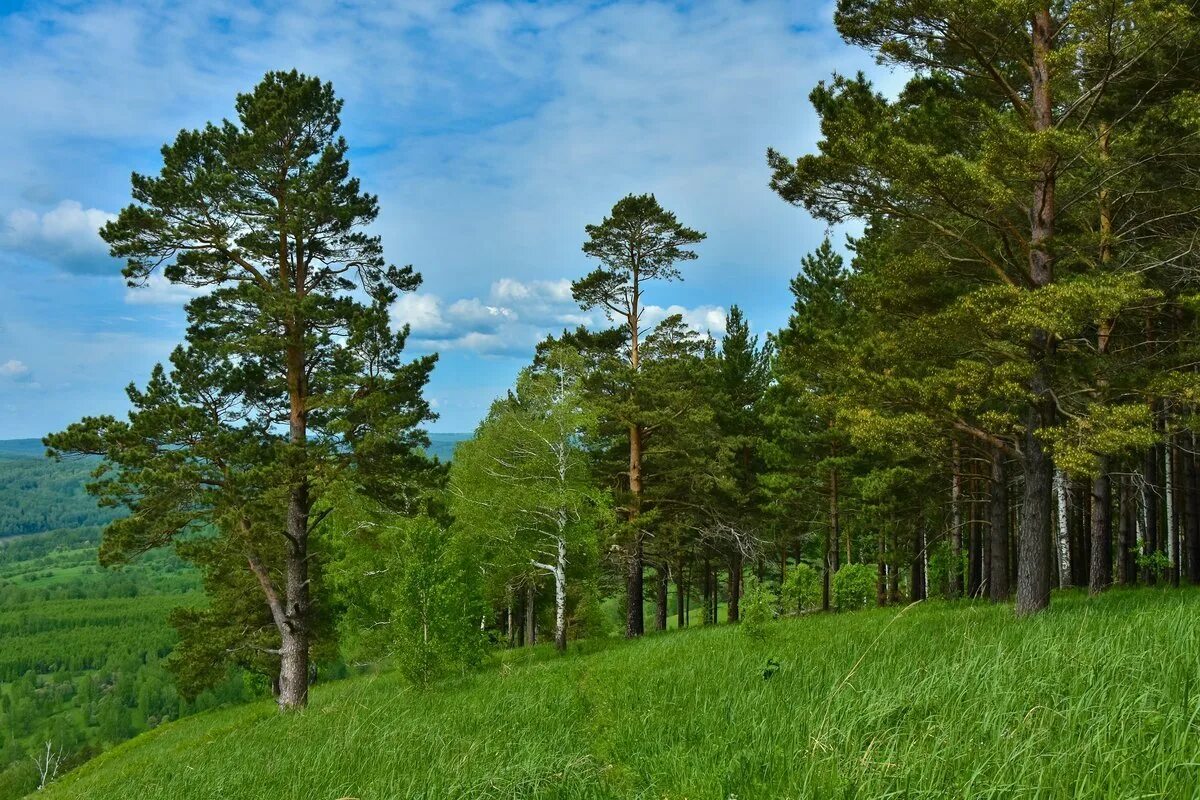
(931, 701)
(442, 445)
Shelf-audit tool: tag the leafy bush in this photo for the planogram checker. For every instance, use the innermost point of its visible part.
(854, 587)
(759, 606)
(801, 589)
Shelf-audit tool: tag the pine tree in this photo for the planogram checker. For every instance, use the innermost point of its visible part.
(261, 213)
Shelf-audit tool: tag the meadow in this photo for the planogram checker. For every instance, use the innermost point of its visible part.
(1092, 699)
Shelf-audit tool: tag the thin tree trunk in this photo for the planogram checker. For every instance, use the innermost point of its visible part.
(735, 587)
(998, 535)
(1171, 484)
(894, 570)
(1126, 569)
(660, 598)
(1063, 518)
(1150, 541)
(1192, 513)
(974, 543)
(919, 588)
(530, 626)
(635, 618)
(881, 576)
(956, 542)
(560, 596)
(680, 595)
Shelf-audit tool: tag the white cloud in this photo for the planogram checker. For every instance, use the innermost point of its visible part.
(422, 312)
(66, 236)
(516, 315)
(158, 291)
(702, 319)
(13, 368)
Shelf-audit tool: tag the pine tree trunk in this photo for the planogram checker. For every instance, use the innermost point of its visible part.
(918, 589)
(1100, 571)
(956, 541)
(295, 634)
(735, 587)
(635, 616)
(881, 574)
(974, 543)
(1033, 569)
(680, 596)
(1171, 481)
(1150, 541)
(660, 598)
(530, 618)
(998, 535)
(1191, 501)
(893, 569)
(1126, 568)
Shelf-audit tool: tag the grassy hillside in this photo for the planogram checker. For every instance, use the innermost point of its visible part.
(1093, 699)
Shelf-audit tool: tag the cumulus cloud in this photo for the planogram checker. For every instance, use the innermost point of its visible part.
(516, 315)
(702, 319)
(66, 236)
(158, 291)
(14, 368)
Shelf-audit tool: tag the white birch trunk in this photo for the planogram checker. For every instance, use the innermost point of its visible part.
(1064, 534)
(1168, 463)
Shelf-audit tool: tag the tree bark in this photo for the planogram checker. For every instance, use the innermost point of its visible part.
(998, 535)
(974, 543)
(660, 598)
(295, 631)
(560, 596)
(1033, 569)
(1150, 541)
(1191, 509)
(635, 619)
(956, 542)
(530, 617)
(1126, 568)
(735, 587)
(920, 587)
(1100, 568)
(680, 595)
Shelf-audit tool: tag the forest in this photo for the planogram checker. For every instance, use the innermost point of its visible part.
(985, 395)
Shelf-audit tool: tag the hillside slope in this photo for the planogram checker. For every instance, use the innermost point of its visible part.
(1092, 699)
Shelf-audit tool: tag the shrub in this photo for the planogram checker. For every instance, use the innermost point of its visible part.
(854, 587)
(759, 607)
(801, 590)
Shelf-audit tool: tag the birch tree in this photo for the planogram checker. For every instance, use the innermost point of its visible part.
(522, 486)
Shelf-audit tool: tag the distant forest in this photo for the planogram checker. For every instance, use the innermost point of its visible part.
(37, 494)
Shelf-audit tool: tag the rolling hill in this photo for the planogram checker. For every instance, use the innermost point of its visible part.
(933, 701)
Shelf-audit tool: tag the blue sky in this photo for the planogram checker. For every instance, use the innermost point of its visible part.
(491, 131)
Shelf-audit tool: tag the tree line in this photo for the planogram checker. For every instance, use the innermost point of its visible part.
(992, 396)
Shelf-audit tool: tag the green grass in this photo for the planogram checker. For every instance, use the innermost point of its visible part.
(1093, 699)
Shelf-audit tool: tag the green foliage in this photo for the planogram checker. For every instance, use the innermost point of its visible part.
(801, 590)
(854, 587)
(411, 595)
(759, 607)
